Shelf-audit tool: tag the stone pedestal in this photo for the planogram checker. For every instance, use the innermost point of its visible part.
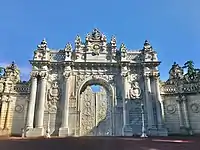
(35, 132)
(157, 132)
(127, 130)
(63, 132)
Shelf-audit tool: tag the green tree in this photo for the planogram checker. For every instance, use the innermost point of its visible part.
(191, 71)
(1, 71)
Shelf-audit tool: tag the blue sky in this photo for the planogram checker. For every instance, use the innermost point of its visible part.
(172, 27)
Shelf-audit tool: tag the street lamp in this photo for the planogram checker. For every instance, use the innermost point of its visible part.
(143, 124)
(48, 126)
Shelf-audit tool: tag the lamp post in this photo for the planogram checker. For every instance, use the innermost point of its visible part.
(143, 135)
(48, 126)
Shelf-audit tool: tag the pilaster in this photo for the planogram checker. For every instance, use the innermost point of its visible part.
(148, 101)
(187, 126)
(162, 131)
(124, 82)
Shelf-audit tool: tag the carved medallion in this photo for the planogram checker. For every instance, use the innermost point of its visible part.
(195, 108)
(171, 109)
(19, 108)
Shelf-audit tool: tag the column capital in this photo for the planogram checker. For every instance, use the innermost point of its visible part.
(34, 74)
(156, 75)
(6, 98)
(66, 75)
(147, 74)
(124, 74)
(43, 74)
(183, 97)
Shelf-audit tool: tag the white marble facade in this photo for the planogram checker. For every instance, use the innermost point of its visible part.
(60, 98)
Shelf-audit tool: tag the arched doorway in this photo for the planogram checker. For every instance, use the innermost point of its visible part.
(95, 109)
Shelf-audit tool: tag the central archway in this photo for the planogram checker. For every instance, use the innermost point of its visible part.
(96, 108)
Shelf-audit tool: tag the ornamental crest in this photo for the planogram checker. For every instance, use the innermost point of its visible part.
(135, 91)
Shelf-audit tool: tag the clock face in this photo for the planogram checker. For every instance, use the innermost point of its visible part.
(96, 47)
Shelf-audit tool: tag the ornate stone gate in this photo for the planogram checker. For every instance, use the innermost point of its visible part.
(96, 109)
(61, 99)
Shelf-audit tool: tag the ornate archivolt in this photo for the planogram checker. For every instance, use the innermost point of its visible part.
(104, 80)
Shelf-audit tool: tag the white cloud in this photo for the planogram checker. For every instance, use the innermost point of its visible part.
(24, 70)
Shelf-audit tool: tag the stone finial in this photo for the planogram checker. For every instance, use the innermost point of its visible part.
(176, 72)
(12, 72)
(122, 48)
(113, 41)
(42, 45)
(96, 34)
(68, 47)
(78, 40)
(147, 45)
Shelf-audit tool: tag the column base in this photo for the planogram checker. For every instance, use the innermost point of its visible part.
(4, 133)
(34, 132)
(186, 131)
(63, 132)
(157, 131)
(127, 130)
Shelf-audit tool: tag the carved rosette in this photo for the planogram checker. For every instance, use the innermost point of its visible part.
(195, 108)
(19, 108)
(54, 95)
(171, 109)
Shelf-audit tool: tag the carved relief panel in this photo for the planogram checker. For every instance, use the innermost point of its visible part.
(134, 87)
(53, 96)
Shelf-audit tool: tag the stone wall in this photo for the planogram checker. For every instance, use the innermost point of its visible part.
(181, 100)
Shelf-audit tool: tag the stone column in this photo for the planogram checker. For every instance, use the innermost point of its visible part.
(3, 111)
(7, 121)
(158, 102)
(124, 80)
(185, 112)
(41, 101)
(31, 104)
(63, 131)
(180, 113)
(149, 101)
